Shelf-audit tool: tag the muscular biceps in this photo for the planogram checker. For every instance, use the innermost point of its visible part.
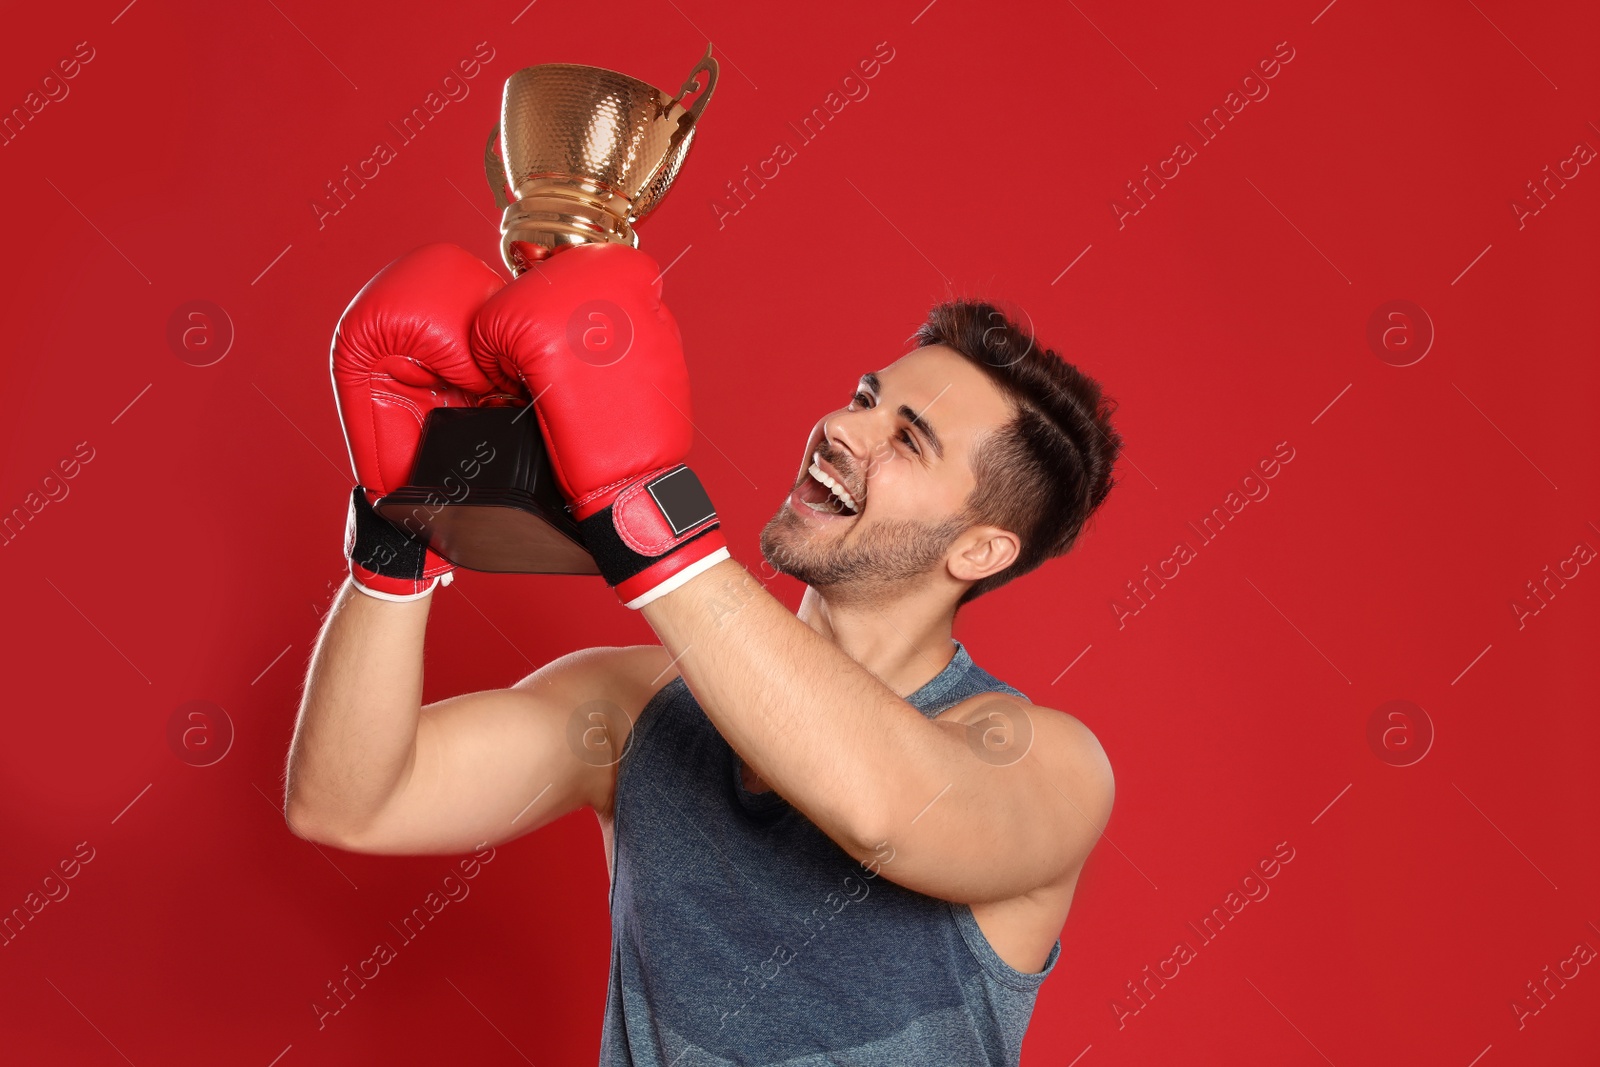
(491, 766)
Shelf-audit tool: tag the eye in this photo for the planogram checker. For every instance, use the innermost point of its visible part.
(862, 398)
(905, 435)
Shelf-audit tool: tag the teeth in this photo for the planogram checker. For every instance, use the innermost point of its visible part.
(839, 491)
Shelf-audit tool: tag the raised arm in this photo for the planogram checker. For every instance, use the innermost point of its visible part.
(370, 770)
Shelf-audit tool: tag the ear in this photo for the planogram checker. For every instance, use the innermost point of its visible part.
(982, 551)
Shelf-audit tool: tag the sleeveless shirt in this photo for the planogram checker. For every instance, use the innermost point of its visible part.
(742, 934)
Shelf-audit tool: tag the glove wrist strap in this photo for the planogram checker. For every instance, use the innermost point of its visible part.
(658, 525)
(384, 559)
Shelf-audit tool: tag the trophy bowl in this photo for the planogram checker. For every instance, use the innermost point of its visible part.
(582, 153)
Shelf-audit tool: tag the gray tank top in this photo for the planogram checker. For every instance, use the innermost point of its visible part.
(741, 934)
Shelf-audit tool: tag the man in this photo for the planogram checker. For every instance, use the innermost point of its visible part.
(832, 837)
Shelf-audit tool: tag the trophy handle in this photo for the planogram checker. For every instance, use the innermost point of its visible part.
(692, 83)
(495, 169)
(686, 116)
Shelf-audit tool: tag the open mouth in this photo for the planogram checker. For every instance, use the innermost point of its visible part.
(823, 493)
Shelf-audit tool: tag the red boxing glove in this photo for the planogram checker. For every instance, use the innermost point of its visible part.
(400, 351)
(586, 333)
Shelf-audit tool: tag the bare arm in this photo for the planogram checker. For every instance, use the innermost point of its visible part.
(944, 815)
(370, 770)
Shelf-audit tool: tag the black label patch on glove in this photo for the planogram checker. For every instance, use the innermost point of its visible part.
(682, 499)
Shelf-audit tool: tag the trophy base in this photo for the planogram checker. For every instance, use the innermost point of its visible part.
(483, 496)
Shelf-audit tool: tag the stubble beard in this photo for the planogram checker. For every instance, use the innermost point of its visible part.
(885, 557)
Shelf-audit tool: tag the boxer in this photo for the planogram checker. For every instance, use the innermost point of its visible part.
(832, 837)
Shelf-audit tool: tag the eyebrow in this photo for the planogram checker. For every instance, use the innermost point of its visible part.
(924, 427)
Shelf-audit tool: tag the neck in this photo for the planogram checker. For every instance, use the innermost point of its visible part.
(904, 641)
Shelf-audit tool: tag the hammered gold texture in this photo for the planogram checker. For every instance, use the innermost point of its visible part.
(565, 119)
(665, 176)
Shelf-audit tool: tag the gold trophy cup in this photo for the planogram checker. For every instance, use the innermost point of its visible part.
(580, 155)
(584, 153)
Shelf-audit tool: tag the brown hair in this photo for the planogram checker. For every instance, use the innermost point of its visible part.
(1046, 471)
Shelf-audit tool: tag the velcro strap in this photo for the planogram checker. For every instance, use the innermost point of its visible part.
(648, 520)
(377, 544)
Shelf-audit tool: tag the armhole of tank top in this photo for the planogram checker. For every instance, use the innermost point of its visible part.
(636, 737)
(990, 960)
(972, 933)
(640, 733)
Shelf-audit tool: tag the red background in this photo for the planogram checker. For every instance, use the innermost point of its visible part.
(196, 551)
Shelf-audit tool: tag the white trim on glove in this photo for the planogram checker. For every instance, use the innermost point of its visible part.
(403, 598)
(678, 579)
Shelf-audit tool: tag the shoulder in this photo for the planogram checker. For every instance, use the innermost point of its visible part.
(1004, 729)
(624, 675)
(625, 660)
(600, 695)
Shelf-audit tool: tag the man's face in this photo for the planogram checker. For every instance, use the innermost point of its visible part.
(899, 457)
